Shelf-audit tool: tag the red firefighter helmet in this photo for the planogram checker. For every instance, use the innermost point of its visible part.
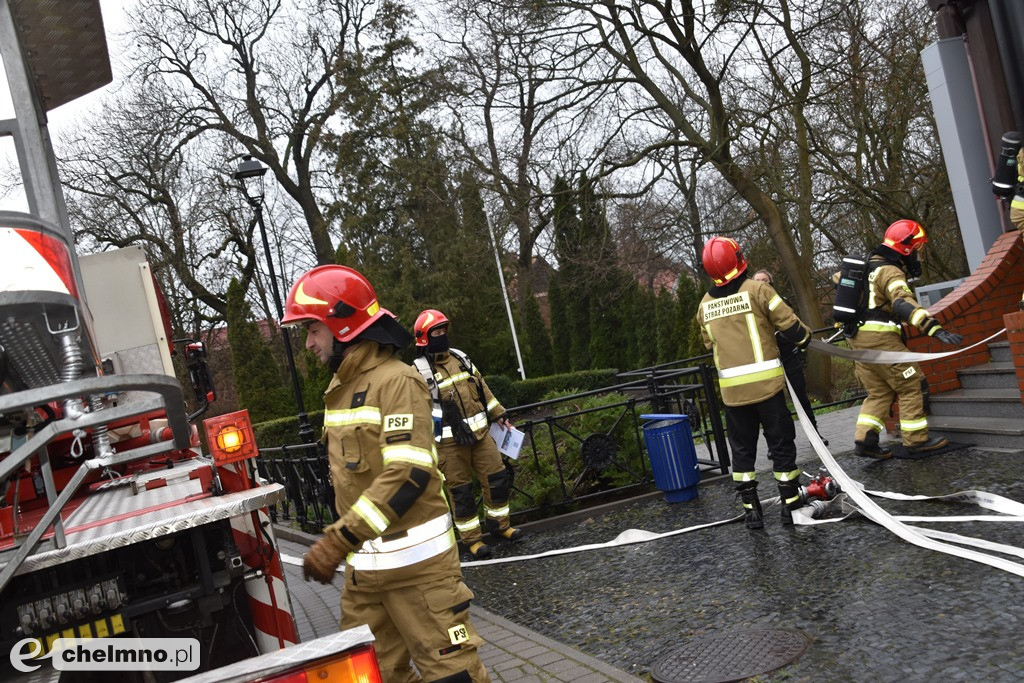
(337, 296)
(425, 322)
(905, 237)
(723, 260)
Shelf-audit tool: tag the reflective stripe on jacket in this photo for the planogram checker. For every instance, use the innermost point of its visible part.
(418, 544)
(887, 284)
(1018, 199)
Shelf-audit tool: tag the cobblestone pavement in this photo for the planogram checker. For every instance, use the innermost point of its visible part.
(876, 607)
(511, 653)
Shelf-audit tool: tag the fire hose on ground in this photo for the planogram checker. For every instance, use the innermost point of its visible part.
(835, 491)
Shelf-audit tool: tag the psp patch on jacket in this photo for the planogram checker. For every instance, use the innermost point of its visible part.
(398, 423)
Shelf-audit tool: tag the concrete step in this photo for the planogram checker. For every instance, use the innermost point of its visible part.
(989, 376)
(1000, 352)
(985, 432)
(979, 403)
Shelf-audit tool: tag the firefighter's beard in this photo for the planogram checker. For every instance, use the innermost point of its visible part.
(438, 344)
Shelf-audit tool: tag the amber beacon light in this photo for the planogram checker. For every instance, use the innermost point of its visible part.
(230, 437)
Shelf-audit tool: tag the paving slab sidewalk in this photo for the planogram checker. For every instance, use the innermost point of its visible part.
(510, 653)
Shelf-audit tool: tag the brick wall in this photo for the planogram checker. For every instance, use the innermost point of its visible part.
(975, 309)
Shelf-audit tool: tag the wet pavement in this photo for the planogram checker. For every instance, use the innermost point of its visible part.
(876, 608)
(511, 653)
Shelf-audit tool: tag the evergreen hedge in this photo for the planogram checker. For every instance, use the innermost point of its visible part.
(513, 392)
(284, 431)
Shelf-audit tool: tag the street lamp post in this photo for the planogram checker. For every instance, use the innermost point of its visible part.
(250, 176)
(504, 293)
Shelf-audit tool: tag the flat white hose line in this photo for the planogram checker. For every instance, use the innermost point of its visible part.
(876, 514)
(627, 537)
(891, 357)
(288, 559)
(802, 516)
(983, 499)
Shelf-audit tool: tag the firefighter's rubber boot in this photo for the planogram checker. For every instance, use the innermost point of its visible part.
(509, 535)
(753, 517)
(932, 444)
(870, 448)
(789, 491)
(479, 550)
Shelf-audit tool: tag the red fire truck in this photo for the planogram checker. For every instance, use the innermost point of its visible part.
(113, 522)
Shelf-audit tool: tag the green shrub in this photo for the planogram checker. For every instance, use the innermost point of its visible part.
(513, 393)
(844, 379)
(284, 431)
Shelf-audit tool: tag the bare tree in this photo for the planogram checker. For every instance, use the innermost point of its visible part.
(130, 181)
(877, 138)
(527, 112)
(264, 74)
(692, 61)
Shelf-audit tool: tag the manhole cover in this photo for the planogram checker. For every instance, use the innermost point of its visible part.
(730, 656)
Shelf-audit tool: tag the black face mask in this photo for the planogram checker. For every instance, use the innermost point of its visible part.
(913, 265)
(438, 344)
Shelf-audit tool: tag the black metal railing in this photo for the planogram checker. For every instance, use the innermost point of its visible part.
(580, 464)
(303, 471)
(590, 465)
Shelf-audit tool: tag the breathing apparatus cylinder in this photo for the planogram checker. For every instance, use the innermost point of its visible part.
(1004, 182)
(848, 306)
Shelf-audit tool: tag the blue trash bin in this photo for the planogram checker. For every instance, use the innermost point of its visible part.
(672, 455)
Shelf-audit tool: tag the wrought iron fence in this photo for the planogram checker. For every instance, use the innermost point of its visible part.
(578, 466)
(590, 466)
(303, 471)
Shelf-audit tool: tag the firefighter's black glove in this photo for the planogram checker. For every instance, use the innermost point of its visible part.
(951, 338)
(452, 417)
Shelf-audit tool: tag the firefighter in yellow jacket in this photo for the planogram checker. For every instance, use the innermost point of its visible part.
(464, 407)
(890, 303)
(738, 318)
(402, 574)
(1017, 203)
